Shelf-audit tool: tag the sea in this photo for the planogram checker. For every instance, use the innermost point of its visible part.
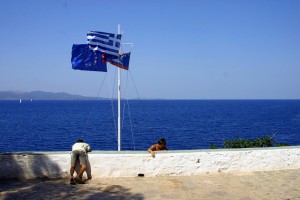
(186, 124)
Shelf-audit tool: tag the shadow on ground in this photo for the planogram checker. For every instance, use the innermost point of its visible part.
(18, 166)
(61, 189)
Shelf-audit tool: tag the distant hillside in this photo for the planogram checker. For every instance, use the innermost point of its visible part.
(40, 95)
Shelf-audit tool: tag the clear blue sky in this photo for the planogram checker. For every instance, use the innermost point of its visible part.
(202, 49)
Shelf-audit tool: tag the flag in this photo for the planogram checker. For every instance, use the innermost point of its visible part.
(85, 59)
(106, 43)
(122, 61)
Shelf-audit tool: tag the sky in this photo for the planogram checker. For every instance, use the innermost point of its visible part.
(202, 49)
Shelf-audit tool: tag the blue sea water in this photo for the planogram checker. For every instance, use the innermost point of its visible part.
(186, 124)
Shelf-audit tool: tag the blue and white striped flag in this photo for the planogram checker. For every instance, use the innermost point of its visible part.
(106, 43)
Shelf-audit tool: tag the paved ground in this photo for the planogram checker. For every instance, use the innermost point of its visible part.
(284, 185)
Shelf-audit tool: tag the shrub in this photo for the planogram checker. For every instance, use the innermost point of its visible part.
(265, 141)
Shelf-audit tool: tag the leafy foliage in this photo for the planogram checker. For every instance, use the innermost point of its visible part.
(265, 141)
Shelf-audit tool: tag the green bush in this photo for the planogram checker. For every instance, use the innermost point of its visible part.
(265, 141)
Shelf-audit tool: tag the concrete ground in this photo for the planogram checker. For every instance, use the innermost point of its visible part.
(283, 185)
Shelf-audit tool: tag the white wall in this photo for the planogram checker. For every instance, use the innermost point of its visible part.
(169, 163)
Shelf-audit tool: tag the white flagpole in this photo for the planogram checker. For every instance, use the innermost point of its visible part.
(119, 103)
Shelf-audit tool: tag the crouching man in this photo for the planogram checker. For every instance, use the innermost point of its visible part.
(79, 151)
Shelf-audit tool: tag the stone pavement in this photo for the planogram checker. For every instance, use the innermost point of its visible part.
(283, 185)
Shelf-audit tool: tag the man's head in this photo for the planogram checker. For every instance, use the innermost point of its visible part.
(162, 142)
(80, 141)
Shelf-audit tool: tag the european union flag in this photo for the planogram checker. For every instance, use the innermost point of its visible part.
(85, 59)
(122, 61)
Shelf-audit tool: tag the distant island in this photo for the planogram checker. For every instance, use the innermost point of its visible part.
(40, 95)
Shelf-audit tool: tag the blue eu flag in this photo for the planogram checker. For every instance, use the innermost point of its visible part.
(85, 59)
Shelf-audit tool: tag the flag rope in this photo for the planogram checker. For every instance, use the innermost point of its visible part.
(129, 114)
(93, 107)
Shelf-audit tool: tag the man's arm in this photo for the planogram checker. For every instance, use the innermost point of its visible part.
(150, 150)
(88, 148)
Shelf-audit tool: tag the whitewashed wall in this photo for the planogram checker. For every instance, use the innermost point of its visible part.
(130, 164)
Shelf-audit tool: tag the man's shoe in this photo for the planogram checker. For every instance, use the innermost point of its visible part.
(72, 181)
(78, 180)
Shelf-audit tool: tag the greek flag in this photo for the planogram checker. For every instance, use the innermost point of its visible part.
(106, 43)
